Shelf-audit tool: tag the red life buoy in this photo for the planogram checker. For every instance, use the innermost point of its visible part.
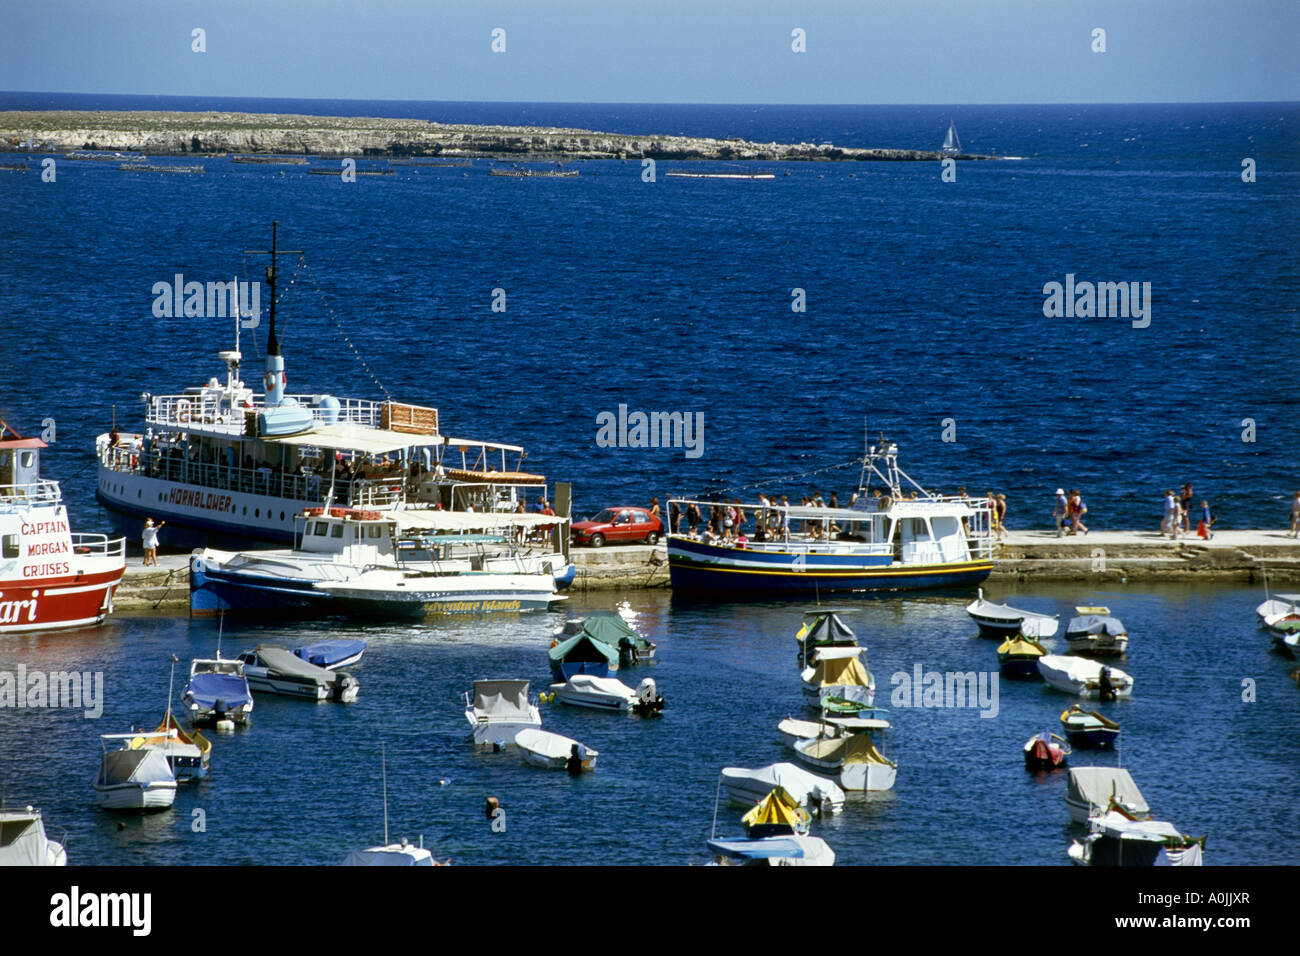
(268, 380)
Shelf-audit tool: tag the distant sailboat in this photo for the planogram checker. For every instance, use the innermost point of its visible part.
(951, 142)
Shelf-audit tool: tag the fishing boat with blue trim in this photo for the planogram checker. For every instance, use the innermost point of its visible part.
(227, 466)
(886, 541)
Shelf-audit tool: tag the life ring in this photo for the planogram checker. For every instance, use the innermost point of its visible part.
(268, 380)
(183, 410)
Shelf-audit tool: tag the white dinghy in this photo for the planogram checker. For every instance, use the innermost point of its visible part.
(1092, 791)
(1002, 620)
(1085, 678)
(554, 751)
(609, 693)
(135, 777)
(747, 787)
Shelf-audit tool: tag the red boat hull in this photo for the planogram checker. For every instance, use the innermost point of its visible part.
(69, 601)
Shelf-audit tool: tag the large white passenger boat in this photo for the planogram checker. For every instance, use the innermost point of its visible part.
(226, 465)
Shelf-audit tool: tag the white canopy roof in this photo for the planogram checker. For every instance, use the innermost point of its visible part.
(370, 441)
(838, 653)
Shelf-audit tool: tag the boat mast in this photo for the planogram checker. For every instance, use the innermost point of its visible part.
(383, 763)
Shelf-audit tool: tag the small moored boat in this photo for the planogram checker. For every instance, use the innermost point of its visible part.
(133, 777)
(839, 681)
(582, 654)
(554, 751)
(187, 753)
(853, 758)
(1018, 656)
(1094, 631)
(746, 787)
(821, 628)
(1002, 620)
(1086, 678)
(1045, 751)
(1117, 839)
(217, 690)
(24, 842)
(277, 671)
(614, 630)
(1088, 728)
(608, 693)
(499, 710)
(776, 834)
(1094, 790)
(332, 654)
(794, 729)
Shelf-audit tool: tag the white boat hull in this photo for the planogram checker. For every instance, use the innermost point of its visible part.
(868, 776)
(158, 795)
(552, 751)
(1080, 679)
(489, 732)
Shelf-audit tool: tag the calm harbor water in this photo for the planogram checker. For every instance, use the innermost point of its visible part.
(302, 784)
(924, 305)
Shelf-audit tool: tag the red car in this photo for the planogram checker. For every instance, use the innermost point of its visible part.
(620, 525)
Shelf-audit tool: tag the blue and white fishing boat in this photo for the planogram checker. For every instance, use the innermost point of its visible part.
(348, 562)
(888, 541)
(332, 654)
(227, 465)
(776, 834)
(217, 691)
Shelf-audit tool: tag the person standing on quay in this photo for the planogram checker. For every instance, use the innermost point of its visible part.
(1001, 512)
(1167, 523)
(149, 541)
(1295, 515)
(1059, 512)
(1187, 502)
(1077, 510)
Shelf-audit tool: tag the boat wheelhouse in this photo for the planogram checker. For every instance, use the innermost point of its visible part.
(50, 577)
(225, 464)
(886, 541)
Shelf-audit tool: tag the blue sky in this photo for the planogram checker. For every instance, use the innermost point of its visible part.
(664, 51)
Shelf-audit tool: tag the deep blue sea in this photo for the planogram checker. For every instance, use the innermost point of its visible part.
(924, 303)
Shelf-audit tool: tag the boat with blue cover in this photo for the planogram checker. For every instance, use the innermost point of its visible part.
(887, 541)
(333, 653)
(217, 691)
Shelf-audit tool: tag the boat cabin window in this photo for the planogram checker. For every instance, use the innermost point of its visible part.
(28, 459)
(11, 830)
(318, 527)
(336, 531)
(11, 546)
(374, 531)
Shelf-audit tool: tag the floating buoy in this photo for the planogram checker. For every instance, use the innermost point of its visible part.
(226, 726)
(442, 783)
(491, 806)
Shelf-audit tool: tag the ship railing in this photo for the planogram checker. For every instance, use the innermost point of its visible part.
(178, 412)
(98, 544)
(378, 492)
(40, 492)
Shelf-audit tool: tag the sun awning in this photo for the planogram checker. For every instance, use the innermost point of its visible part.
(426, 519)
(369, 441)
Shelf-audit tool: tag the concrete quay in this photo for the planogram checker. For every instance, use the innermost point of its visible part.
(1240, 556)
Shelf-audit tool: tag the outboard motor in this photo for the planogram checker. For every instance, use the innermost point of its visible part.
(648, 702)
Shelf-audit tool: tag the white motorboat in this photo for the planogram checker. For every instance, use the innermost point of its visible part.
(275, 670)
(1095, 790)
(1094, 631)
(1278, 604)
(1078, 675)
(1003, 621)
(852, 757)
(390, 854)
(554, 751)
(839, 681)
(23, 841)
(187, 752)
(747, 787)
(134, 777)
(609, 693)
(394, 854)
(1116, 839)
(499, 710)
